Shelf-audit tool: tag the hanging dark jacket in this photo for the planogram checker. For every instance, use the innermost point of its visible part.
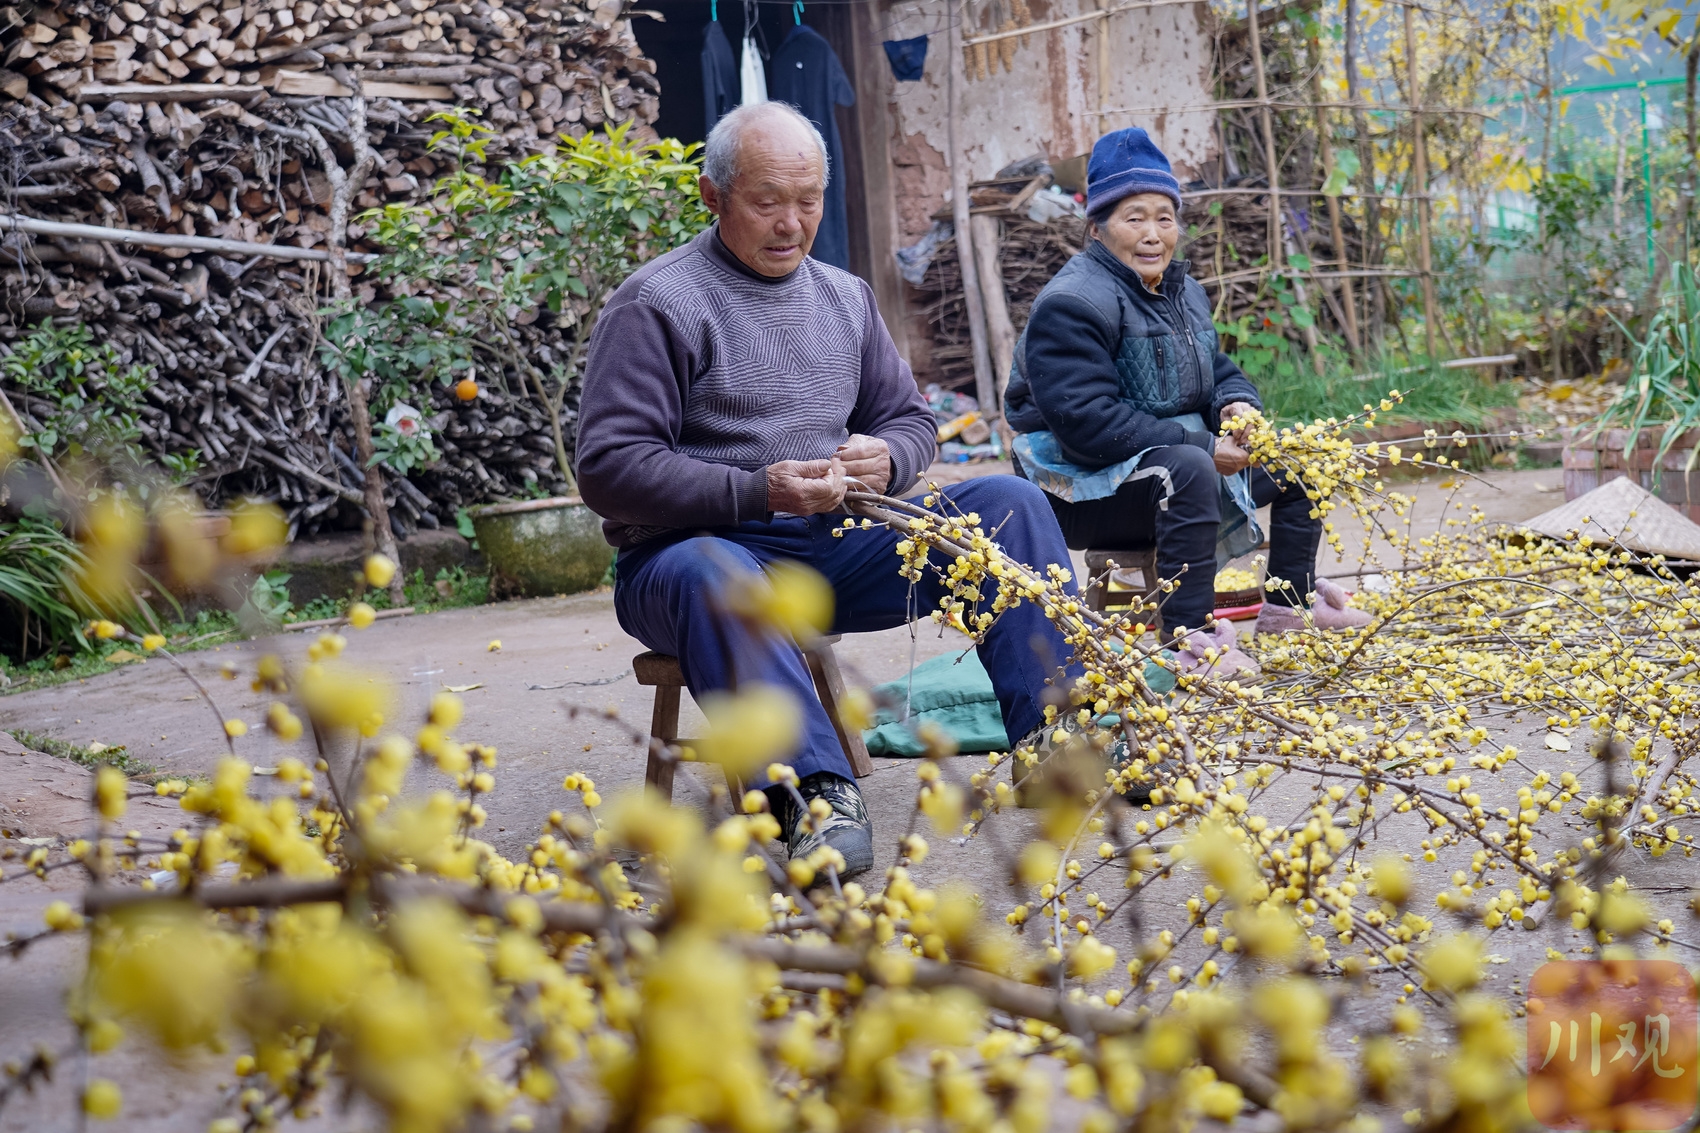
(720, 89)
(1105, 363)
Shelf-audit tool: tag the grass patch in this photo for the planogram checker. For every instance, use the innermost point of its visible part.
(90, 757)
(453, 588)
(1431, 397)
(204, 630)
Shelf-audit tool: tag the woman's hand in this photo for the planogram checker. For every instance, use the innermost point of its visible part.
(1236, 409)
(1229, 457)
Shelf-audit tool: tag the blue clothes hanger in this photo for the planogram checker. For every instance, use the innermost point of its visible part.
(797, 11)
(714, 10)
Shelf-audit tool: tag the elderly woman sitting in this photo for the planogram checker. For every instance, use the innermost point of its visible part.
(1119, 390)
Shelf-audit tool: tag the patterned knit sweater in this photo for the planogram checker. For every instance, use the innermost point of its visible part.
(702, 372)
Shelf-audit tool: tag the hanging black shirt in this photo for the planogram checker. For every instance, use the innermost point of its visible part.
(719, 75)
(806, 73)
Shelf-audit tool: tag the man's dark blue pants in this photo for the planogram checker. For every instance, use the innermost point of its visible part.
(667, 598)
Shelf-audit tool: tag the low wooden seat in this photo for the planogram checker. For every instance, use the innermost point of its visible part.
(1095, 586)
(663, 673)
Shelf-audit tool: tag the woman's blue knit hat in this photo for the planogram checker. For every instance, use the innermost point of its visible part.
(1124, 163)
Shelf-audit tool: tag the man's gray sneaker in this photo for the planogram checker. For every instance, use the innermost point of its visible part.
(846, 828)
(1072, 763)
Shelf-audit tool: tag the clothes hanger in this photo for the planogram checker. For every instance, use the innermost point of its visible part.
(714, 10)
(797, 12)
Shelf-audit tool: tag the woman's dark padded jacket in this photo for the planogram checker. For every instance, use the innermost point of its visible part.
(1105, 362)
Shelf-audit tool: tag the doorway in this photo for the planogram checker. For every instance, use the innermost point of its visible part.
(674, 44)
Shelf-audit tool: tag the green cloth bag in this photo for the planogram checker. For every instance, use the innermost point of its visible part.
(956, 695)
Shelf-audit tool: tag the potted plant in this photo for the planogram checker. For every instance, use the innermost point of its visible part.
(561, 231)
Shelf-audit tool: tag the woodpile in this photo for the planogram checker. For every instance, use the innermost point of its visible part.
(1029, 254)
(200, 118)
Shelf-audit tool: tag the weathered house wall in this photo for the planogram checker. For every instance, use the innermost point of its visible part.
(1048, 102)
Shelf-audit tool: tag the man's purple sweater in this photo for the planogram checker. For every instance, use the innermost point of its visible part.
(701, 373)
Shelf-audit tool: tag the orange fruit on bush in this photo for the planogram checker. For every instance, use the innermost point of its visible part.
(466, 389)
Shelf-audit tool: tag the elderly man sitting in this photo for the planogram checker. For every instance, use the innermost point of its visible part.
(734, 386)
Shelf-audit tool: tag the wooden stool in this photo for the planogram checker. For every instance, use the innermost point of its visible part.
(1096, 588)
(663, 672)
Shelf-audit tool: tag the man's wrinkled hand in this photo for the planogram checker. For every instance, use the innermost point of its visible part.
(867, 459)
(1229, 457)
(805, 487)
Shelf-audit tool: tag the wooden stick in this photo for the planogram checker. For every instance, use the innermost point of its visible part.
(173, 92)
(1070, 21)
(984, 389)
(1287, 104)
(1103, 63)
(1267, 117)
(382, 27)
(1419, 174)
(169, 240)
(1258, 190)
(344, 184)
(999, 329)
(347, 494)
(1336, 230)
(1354, 273)
(321, 623)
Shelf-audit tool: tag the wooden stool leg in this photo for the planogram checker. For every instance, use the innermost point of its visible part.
(829, 683)
(663, 729)
(1147, 563)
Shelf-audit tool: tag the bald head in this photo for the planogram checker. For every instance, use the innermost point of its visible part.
(764, 176)
(765, 127)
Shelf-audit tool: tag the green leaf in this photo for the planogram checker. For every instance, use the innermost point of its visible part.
(1302, 316)
(1300, 261)
(1346, 161)
(1336, 183)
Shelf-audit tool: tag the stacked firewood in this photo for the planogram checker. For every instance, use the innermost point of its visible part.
(197, 117)
(1029, 254)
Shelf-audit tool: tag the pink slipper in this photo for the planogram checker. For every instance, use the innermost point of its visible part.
(1331, 612)
(1214, 654)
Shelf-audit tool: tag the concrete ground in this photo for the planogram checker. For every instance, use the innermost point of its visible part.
(556, 656)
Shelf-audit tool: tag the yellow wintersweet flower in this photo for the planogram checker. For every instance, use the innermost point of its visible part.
(379, 570)
(102, 1098)
(756, 725)
(110, 790)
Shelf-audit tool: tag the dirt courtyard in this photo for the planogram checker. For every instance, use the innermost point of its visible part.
(554, 655)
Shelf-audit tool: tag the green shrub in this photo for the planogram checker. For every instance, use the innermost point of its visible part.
(79, 399)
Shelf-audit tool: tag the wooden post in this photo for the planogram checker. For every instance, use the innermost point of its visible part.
(984, 390)
(1419, 175)
(1336, 230)
(1270, 160)
(999, 330)
(1375, 288)
(1103, 63)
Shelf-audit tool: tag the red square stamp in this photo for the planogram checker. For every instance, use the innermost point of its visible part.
(1613, 1045)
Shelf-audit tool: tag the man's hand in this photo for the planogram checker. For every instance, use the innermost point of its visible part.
(867, 459)
(805, 487)
(1229, 457)
(1237, 409)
